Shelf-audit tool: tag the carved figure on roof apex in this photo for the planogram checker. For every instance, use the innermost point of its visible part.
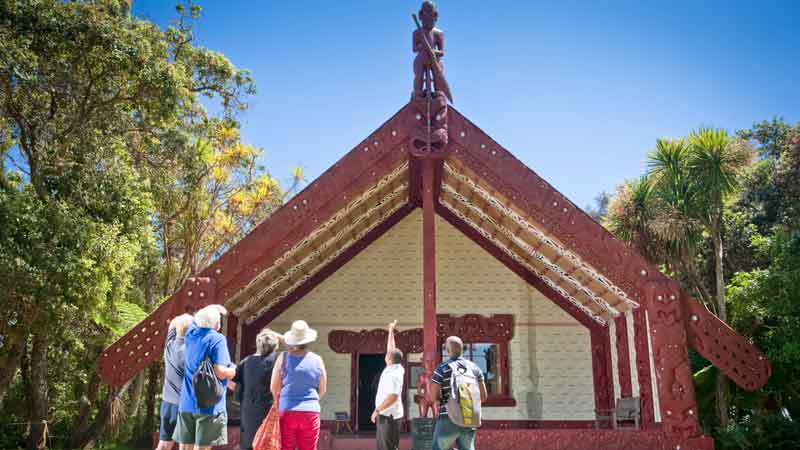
(428, 44)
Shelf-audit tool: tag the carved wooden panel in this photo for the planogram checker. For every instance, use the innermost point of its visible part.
(374, 341)
(643, 367)
(601, 369)
(739, 360)
(671, 359)
(359, 168)
(476, 328)
(623, 357)
(525, 191)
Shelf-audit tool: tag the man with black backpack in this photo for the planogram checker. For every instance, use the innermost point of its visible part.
(458, 386)
(202, 418)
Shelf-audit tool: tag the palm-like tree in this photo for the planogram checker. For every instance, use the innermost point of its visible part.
(678, 197)
(715, 165)
(664, 213)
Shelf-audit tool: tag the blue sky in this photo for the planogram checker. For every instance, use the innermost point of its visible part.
(579, 91)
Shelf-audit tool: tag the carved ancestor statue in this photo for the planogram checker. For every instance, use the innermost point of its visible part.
(428, 44)
(422, 398)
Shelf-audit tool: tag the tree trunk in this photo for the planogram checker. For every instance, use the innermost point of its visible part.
(136, 395)
(109, 413)
(10, 359)
(81, 425)
(38, 394)
(154, 377)
(722, 313)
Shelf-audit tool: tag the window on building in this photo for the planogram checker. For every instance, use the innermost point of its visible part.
(486, 356)
(486, 343)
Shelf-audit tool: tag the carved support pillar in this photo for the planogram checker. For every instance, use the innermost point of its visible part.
(623, 357)
(643, 367)
(431, 352)
(601, 369)
(671, 359)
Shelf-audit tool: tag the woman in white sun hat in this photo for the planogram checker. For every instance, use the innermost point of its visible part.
(300, 382)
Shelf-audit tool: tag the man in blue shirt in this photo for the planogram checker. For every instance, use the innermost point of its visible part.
(201, 428)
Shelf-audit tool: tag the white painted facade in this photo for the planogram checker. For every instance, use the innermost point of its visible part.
(550, 355)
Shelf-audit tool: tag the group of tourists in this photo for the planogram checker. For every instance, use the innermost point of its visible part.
(198, 370)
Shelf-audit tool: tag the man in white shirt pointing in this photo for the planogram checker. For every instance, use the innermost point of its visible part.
(388, 402)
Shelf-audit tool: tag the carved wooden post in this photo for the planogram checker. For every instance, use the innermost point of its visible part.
(431, 352)
(671, 359)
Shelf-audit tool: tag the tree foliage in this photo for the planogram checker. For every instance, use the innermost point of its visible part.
(115, 185)
(701, 192)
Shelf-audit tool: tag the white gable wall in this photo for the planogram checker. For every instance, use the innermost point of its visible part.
(550, 355)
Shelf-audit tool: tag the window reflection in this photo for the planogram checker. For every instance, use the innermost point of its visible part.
(486, 356)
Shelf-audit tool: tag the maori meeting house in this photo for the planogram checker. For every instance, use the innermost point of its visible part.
(430, 221)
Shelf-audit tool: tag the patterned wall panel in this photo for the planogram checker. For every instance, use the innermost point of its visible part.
(551, 376)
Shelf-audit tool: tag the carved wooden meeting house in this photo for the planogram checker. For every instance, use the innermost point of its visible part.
(431, 222)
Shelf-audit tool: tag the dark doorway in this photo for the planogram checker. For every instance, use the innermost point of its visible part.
(369, 373)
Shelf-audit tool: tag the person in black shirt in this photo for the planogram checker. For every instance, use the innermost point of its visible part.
(445, 432)
(252, 379)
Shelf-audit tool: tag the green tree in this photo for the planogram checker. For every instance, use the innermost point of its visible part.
(716, 163)
(87, 97)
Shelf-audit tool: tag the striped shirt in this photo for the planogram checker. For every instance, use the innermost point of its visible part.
(173, 367)
(441, 376)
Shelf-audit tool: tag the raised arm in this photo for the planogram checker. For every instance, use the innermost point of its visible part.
(390, 345)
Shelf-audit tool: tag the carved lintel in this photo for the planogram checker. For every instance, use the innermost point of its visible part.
(477, 328)
(374, 341)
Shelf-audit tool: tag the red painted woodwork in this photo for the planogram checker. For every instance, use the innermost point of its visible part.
(360, 168)
(623, 356)
(673, 371)
(643, 367)
(250, 331)
(371, 342)
(430, 356)
(537, 424)
(517, 268)
(559, 217)
(564, 439)
(232, 334)
(673, 326)
(601, 370)
(427, 123)
(134, 351)
(718, 343)
(497, 329)
(374, 341)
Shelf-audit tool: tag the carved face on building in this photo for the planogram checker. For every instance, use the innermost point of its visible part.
(428, 14)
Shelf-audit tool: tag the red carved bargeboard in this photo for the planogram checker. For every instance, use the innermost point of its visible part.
(134, 351)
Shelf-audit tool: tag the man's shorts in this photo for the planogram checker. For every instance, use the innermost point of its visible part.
(201, 430)
(169, 417)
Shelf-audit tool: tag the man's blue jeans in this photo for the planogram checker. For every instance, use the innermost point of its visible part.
(446, 433)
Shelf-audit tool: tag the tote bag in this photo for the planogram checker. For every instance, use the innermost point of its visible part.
(268, 435)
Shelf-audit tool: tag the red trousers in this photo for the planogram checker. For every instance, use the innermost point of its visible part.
(299, 430)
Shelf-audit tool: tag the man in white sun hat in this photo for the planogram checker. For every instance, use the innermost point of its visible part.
(300, 380)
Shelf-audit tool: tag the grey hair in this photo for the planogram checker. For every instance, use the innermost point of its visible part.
(208, 317)
(396, 356)
(181, 323)
(455, 346)
(266, 342)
